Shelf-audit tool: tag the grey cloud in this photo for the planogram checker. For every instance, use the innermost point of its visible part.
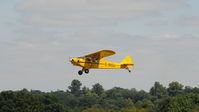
(178, 37)
(90, 12)
(188, 21)
(158, 23)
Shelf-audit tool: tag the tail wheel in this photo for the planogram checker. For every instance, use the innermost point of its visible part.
(80, 72)
(128, 70)
(86, 71)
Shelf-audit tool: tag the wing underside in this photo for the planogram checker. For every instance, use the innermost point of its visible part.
(100, 54)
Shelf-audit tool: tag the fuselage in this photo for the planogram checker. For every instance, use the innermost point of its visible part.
(97, 64)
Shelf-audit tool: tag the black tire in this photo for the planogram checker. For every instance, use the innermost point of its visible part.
(86, 71)
(80, 72)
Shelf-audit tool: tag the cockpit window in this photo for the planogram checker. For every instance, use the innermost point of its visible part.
(82, 57)
(89, 59)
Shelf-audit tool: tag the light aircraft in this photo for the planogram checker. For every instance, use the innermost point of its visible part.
(95, 61)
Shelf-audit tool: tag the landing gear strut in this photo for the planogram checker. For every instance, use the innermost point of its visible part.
(128, 70)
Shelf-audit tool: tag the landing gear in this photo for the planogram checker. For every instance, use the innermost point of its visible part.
(80, 72)
(128, 70)
(86, 71)
(83, 70)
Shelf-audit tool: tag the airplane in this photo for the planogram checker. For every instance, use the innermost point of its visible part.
(96, 61)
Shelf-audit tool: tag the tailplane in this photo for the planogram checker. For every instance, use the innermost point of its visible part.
(127, 62)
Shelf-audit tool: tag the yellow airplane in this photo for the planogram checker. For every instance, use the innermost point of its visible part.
(95, 61)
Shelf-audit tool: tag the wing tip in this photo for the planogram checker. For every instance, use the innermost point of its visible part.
(108, 50)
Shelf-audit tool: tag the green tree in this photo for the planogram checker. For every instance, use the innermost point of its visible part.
(158, 90)
(188, 89)
(180, 103)
(195, 90)
(97, 108)
(175, 88)
(142, 95)
(85, 90)
(87, 100)
(98, 89)
(196, 109)
(24, 101)
(147, 104)
(99, 100)
(75, 87)
(130, 109)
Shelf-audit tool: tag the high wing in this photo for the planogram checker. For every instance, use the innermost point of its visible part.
(100, 54)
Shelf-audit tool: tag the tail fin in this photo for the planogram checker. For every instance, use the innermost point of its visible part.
(127, 62)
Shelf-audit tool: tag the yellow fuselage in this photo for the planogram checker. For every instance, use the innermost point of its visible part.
(98, 64)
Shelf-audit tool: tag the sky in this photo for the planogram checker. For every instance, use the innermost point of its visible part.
(37, 38)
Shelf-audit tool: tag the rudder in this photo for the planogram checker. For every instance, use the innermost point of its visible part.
(127, 62)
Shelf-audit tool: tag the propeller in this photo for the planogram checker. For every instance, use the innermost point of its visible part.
(70, 59)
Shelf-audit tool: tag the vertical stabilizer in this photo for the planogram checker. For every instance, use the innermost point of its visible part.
(127, 62)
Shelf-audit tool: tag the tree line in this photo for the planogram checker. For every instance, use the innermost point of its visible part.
(174, 98)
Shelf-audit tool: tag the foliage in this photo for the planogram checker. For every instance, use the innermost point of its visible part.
(24, 101)
(195, 109)
(175, 98)
(75, 87)
(98, 89)
(180, 103)
(175, 88)
(158, 90)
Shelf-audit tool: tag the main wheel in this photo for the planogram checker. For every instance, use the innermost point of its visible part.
(80, 72)
(86, 71)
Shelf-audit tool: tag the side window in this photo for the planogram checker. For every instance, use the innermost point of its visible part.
(88, 59)
(96, 61)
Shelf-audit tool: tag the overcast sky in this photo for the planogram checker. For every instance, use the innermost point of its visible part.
(38, 36)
